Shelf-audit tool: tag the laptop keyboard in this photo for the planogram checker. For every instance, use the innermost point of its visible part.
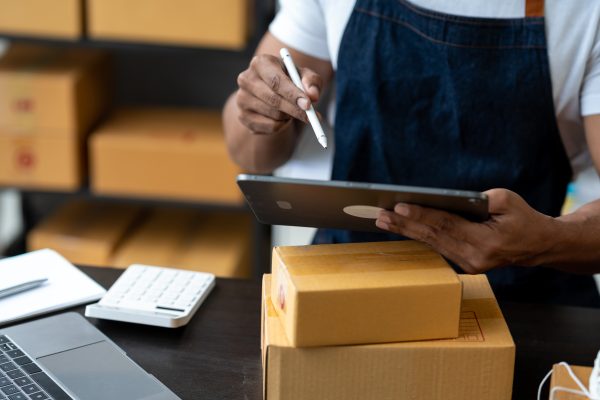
(22, 379)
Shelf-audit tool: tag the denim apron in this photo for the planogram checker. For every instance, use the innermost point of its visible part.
(430, 99)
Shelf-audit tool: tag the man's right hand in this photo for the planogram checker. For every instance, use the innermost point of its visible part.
(258, 118)
(267, 98)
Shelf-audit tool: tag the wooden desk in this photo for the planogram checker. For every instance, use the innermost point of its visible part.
(217, 356)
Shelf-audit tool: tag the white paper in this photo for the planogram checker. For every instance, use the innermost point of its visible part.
(66, 287)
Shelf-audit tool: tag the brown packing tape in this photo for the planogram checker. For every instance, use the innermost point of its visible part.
(358, 263)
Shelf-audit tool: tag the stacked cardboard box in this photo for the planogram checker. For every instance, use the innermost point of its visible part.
(56, 18)
(562, 379)
(49, 99)
(223, 23)
(162, 152)
(477, 364)
(327, 294)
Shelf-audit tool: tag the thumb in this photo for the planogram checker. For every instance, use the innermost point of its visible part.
(500, 200)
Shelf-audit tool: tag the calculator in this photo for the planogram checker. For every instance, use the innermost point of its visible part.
(152, 295)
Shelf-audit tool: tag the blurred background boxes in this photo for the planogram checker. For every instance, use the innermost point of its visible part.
(219, 243)
(479, 364)
(53, 18)
(85, 232)
(164, 153)
(38, 162)
(105, 234)
(51, 90)
(223, 23)
(156, 238)
(49, 99)
(46, 113)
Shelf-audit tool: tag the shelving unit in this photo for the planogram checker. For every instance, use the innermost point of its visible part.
(160, 75)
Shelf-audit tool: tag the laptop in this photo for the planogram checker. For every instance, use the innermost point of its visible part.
(65, 357)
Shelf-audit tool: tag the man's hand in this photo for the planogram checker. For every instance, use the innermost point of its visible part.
(258, 118)
(268, 99)
(515, 234)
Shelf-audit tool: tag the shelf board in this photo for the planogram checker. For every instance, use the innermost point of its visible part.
(127, 45)
(86, 193)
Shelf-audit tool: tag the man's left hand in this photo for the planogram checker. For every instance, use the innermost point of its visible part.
(515, 234)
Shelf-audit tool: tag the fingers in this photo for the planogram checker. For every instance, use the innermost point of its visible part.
(266, 89)
(312, 82)
(260, 124)
(258, 97)
(450, 235)
(271, 71)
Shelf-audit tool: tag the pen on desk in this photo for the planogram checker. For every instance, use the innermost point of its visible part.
(310, 113)
(22, 287)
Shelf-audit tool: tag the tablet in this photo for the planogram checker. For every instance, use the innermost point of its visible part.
(347, 205)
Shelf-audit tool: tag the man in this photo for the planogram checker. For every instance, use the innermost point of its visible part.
(491, 95)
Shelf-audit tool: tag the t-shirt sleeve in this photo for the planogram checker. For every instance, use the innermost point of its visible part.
(590, 93)
(300, 24)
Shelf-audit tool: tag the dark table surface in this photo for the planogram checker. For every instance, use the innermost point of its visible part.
(217, 355)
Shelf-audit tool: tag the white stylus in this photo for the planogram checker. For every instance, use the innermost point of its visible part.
(310, 113)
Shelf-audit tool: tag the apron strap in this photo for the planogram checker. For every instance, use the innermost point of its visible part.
(534, 8)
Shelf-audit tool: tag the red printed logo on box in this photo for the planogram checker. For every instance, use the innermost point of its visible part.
(281, 297)
(23, 105)
(25, 159)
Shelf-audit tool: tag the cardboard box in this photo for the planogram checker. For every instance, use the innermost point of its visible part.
(327, 294)
(168, 153)
(57, 18)
(155, 240)
(561, 378)
(187, 239)
(223, 23)
(477, 365)
(58, 92)
(46, 163)
(220, 243)
(86, 233)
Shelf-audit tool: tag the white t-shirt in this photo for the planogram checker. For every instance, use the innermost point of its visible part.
(315, 27)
